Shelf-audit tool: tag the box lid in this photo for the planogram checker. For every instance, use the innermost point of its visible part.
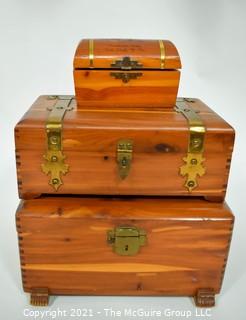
(126, 54)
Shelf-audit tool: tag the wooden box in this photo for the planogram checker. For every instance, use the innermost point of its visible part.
(104, 246)
(180, 151)
(117, 72)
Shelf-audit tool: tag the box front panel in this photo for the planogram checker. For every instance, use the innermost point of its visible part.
(98, 173)
(71, 255)
(112, 88)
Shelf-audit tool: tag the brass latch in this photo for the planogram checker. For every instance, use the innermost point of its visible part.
(54, 158)
(126, 64)
(124, 157)
(126, 241)
(193, 166)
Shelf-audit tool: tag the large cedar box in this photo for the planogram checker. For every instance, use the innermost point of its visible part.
(107, 246)
(180, 151)
(117, 72)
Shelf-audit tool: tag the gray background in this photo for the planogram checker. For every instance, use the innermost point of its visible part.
(38, 39)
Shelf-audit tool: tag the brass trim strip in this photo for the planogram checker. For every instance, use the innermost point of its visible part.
(196, 126)
(194, 159)
(162, 53)
(91, 52)
(54, 158)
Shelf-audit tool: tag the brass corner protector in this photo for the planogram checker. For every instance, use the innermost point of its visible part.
(194, 160)
(54, 164)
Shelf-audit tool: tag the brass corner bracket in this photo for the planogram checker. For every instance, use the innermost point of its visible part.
(194, 159)
(55, 165)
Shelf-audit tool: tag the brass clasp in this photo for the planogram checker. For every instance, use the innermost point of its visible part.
(124, 157)
(126, 64)
(126, 241)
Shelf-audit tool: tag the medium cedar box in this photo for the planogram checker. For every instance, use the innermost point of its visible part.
(73, 246)
(117, 72)
(180, 151)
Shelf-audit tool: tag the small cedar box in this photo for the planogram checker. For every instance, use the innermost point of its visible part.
(107, 246)
(117, 72)
(180, 151)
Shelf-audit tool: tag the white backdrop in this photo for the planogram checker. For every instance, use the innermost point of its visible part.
(37, 43)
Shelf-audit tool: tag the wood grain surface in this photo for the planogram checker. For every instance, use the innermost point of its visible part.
(90, 137)
(63, 245)
(151, 89)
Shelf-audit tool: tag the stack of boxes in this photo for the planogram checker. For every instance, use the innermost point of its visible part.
(124, 181)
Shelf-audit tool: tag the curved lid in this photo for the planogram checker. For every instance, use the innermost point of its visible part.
(126, 54)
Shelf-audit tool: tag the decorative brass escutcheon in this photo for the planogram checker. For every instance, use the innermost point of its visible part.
(124, 157)
(126, 64)
(126, 241)
(126, 76)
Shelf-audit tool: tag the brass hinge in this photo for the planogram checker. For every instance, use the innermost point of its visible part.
(54, 158)
(194, 159)
(126, 64)
(126, 241)
(124, 157)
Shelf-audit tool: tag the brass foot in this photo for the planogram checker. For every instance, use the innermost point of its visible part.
(205, 298)
(39, 297)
